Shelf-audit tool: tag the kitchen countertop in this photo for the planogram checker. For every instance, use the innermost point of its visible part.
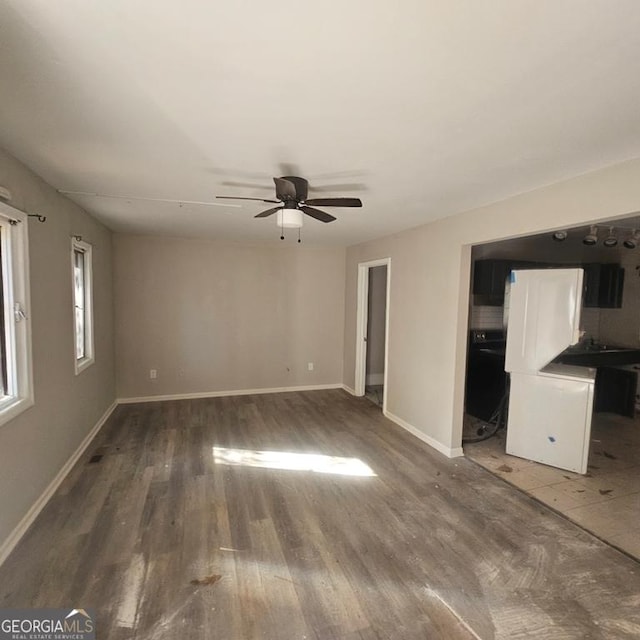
(599, 356)
(565, 371)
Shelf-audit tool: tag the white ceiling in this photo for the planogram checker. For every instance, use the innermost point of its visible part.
(431, 107)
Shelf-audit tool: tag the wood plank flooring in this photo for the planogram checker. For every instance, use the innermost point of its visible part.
(189, 527)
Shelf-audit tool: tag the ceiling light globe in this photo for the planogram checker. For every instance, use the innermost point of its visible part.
(591, 238)
(611, 240)
(289, 218)
(632, 241)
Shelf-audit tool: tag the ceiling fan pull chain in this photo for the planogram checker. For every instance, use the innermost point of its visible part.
(299, 241)
(282, 228)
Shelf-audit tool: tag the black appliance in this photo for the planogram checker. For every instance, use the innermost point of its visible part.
(486, 377)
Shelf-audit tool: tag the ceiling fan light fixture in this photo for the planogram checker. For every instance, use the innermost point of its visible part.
(611, 240)
(591, 238)
(560, 236)
(632, 241)
(289, 218)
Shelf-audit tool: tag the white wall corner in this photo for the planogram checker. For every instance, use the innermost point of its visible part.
(14, 537)
(432, 442)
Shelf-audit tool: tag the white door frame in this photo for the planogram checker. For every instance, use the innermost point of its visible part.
(361, 326)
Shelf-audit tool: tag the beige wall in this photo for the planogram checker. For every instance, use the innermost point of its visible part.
(223, 317)
(35, 445)
(430, 268)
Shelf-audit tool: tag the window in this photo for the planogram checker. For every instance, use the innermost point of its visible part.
(82, 303)
(16, 383)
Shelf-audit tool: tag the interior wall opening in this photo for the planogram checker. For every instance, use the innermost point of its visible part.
(372, 330)
(606, 347)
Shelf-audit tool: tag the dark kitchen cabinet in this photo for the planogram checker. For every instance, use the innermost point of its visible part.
(615, 391)
(603, 282)
(603, 285)
(489, 277)
(591, 285)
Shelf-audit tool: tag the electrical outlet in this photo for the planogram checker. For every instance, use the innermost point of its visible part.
(310, 366)
(153, 374)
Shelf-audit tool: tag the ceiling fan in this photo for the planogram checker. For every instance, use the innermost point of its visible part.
(291, 196)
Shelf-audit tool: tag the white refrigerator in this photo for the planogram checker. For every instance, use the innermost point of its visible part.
(550, 405)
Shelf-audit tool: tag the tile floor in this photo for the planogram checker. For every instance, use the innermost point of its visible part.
(605, 501)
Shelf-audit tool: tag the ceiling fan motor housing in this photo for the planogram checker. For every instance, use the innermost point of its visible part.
(301, 186)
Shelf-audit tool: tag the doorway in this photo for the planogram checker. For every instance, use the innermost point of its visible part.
(373, 314)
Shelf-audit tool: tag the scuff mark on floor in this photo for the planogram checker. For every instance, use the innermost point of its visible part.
(286, 580)
(207, 580)
(163, 627)
(132, 586)
(432, 594)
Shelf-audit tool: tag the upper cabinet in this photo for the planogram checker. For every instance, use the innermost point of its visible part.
(603, 285)
(489, 279)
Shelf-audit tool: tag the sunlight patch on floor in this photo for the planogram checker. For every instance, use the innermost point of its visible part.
(291, 461)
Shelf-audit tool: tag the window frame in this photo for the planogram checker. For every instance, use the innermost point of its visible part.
(80, 364)
(16, 307)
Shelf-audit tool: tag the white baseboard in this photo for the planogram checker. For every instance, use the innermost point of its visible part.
(14, 537)
(432, 442)
(349, 390)
(221, 394)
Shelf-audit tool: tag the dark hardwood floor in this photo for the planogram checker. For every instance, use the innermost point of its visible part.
(307, 515)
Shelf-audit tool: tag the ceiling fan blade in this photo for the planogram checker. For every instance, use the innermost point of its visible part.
(243, 198)
(317, 214)
(285, 190)
(335, 202)
(268, 212)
